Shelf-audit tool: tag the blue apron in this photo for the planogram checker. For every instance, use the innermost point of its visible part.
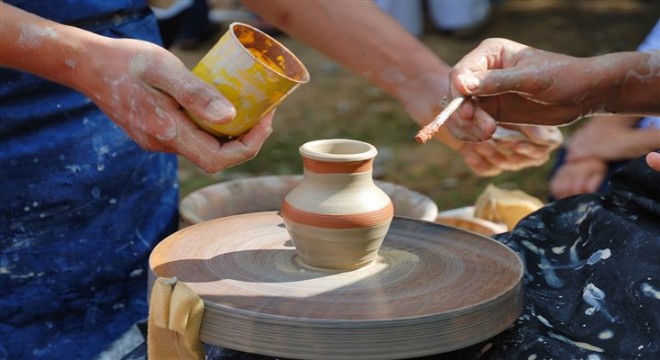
(81, 204)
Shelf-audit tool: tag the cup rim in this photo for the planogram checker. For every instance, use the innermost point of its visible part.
(303, 79)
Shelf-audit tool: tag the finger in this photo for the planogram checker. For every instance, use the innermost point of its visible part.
(195, 95)
(489, 152)
(560, 184)
(532, 150)
(593, 181)
(479, 127)
(653, 160)
(544, 135)
(579, 185)
(249, 144)
(490, 54)
(479, 165)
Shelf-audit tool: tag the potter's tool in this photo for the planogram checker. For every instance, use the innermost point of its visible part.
(432, 289)
(428, 131)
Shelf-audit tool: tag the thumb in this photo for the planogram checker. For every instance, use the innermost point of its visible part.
(492, 82)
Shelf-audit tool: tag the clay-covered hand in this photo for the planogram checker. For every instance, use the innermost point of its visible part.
(578, 177)
(512, 149)
(140, 86)
(512, 82)
(144, 89)
(527, 146)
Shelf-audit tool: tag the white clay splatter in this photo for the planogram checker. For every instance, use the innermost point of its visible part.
(559, 249)
(544, 321)
(599, 255)
(546, 267)
(32, 36)
(606, 334)
(595, 297)
(579, 344)
(649, 291)
(70, 63)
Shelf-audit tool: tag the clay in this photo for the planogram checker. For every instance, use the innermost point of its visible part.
(337, 217)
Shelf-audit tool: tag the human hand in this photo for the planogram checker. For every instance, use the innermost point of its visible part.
(512, 149)
(515, 83)
(624, 140)
(578, 177)
(144, 89)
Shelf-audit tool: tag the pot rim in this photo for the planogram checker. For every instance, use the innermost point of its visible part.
(338, 150)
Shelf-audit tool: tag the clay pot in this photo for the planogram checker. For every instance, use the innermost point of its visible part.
(337, 217)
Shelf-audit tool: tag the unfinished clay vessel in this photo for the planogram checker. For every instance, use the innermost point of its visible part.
(337, 217)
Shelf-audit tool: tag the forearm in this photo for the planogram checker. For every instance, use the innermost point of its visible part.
(368, 42)
(54, 51)
(629, 81)
(359, 36)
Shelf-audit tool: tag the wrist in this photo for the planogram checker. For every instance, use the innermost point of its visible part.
(629, 82)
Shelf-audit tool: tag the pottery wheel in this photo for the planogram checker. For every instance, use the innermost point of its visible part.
(432, 289)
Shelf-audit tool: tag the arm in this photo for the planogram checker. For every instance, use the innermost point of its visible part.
(624, 140)
(517, 83)
(139, 85)
(367, 41)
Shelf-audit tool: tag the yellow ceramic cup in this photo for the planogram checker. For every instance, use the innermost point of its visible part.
(253, 71)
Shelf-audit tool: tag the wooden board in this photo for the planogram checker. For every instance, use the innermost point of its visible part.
(433, 289)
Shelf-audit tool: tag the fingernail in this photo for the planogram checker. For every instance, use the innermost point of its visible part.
(221, 110)
(470, 83)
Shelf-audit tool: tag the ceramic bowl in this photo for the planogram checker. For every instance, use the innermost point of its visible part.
(266, 193)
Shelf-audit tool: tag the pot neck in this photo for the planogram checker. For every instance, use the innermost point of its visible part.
(338, 167)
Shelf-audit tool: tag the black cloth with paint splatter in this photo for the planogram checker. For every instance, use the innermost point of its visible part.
(591, 283)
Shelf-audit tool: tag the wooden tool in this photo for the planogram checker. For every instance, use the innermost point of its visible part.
(428, 131)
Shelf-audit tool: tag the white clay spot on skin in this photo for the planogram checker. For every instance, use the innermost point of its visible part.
(138, 64)
(653, 69)
(70, 63)
(32, 36)
(168, 130)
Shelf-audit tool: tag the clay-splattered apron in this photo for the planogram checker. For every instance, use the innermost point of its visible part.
(81, 205)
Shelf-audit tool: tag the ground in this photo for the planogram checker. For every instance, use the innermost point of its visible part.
(337, 103)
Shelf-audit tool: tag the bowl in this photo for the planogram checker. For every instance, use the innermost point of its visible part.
(266, 193)
(464, 218)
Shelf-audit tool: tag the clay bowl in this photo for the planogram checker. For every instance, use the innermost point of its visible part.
(464, 218)
(266, 193)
